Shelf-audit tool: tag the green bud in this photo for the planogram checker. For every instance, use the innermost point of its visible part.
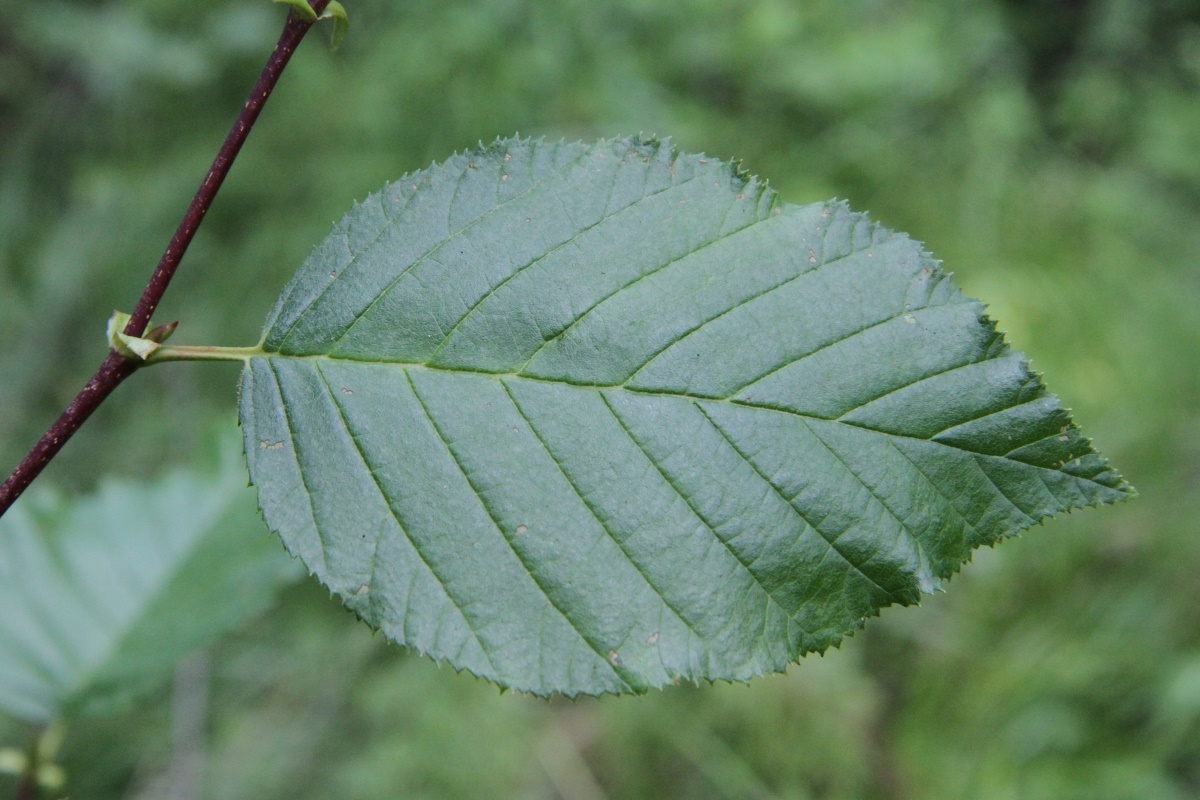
(162, 332)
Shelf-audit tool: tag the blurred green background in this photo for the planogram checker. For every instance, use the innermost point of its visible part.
(1048, 151)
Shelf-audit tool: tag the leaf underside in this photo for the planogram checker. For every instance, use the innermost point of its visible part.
(598, 418)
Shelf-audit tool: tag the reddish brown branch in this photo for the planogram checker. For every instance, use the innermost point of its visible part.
(116, 368)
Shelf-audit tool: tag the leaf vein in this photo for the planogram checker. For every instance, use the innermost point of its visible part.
(939, 374)
(608, 531)
(287, 422)
(615, 669)
(606, 217)
(949, 503)
(844, 338)
(389, 221)
(1023, 445)
(800, 514)
(756, 406)
(341, 412)
(975, 460)
(771, 599)
(903, 523)
(987, 414)
(665, 265)
(555, 174)
(685, 334)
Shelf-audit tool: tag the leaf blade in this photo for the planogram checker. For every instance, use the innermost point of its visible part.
(100, 595)
(674, 430)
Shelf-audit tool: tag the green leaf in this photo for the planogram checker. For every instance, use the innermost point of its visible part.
(133, 347)
(101, 596)
(341, 23)
(301, 8)
(591, 419)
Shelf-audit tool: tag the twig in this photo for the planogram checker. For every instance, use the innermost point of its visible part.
(28, 788)
(117, 368)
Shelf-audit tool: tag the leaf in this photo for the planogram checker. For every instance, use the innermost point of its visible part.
(590, 419)
(300, 7)
(101, 596)
(133, 347)
(341, 23)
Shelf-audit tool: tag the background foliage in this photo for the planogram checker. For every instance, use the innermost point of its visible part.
(1045, 150)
